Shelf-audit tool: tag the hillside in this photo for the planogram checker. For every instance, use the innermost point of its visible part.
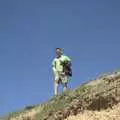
(106, 114)
(95, 100)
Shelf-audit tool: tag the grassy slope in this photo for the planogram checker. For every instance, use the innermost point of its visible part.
(100, 89)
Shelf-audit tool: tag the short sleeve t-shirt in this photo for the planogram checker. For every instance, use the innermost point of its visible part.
(56, 64)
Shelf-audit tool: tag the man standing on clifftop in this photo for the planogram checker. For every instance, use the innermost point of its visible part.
(61, 66)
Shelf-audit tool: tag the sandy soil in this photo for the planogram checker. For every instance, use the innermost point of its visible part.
(108, 114)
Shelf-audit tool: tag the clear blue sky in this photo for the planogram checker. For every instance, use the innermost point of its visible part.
(30, 30)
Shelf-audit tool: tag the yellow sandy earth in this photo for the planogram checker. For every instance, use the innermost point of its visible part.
(108, 114)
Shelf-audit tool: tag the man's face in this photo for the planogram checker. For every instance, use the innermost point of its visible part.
(58, 52)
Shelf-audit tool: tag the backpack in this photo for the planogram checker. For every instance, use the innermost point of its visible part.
(67, 68)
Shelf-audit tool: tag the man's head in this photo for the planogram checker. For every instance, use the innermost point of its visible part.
(58, 52)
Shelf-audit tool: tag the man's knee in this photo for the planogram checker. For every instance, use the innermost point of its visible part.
(56, 81)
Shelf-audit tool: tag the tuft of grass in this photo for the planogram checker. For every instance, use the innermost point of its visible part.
(60, 102)
(56, 103)
(17, 113)
(29, 107)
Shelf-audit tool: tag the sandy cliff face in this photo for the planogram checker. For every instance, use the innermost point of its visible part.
(108, 114)
(101, 101)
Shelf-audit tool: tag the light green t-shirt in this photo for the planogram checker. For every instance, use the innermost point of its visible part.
(56, 64)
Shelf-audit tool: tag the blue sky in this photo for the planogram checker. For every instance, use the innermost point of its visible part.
(88, 31)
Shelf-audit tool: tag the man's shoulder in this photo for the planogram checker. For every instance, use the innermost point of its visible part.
(54, 59)
(66, 57)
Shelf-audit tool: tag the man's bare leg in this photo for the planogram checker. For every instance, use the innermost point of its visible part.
(65, 87)
(56, 83)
